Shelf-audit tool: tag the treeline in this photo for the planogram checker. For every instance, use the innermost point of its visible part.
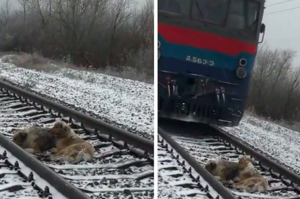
(93, 33)
(275, 85)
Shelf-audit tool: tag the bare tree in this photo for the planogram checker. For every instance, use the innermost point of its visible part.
(273, 82)
(24, 4)
(120, 14)
(292, 86)
(5, 13)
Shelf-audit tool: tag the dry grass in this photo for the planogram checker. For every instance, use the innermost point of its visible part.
(39, 63)
(128, 73)
(31, 61)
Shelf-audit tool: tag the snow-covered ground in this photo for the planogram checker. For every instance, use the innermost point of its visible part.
(280, 143)
(125, 103)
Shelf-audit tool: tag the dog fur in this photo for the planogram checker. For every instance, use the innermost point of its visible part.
(69, 146)
(223, 170)
(34, 139)
(250, 178)
(243, 174)
(252, 184)
(247, 169)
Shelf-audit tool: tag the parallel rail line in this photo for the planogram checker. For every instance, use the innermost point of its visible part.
(123, 163)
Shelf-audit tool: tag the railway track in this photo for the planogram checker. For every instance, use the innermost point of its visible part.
(18, 181)
(123, 163)
(201, 143)
(176, 179)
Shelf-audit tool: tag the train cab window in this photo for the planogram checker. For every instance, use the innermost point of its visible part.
(243, 15)
(252, 15)
(210, 11)
(169, 6)
(236, 16)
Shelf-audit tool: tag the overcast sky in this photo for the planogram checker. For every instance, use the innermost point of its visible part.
(283, 28)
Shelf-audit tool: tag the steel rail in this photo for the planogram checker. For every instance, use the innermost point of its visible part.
(215, 184)
(61, 185)
(117, 133)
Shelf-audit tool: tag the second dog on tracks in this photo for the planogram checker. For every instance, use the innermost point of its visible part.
(69, 146)
(252, 184)
(34, 139)
(243, 174)
(247, 169)
(223, 170)
(250, 178)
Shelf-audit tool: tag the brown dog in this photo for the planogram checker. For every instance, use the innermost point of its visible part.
(34, 139)
(252, 184)
(69, 146)
(250, 178)
(247, 169)
(223, 170)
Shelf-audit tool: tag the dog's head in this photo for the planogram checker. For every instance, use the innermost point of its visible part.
(211, 166)
(244, 162)
(20, 137)
(60, 130)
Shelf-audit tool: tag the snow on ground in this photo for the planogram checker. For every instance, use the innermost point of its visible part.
(282, 144)
(125, 103)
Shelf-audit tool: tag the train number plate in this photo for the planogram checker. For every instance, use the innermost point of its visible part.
(199, 60)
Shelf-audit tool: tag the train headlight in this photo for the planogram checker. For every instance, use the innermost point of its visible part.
(241, 72)
(243, 62)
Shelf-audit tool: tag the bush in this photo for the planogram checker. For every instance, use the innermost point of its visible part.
(275, 85)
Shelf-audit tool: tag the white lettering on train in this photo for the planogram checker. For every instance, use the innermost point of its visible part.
(199, 60)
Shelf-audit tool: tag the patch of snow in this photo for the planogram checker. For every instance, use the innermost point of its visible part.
(125, 103)
(280, 143)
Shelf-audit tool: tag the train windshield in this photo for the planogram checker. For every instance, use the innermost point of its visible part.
(210, 11)
(237, 14)
(171, 6)
(243, 15)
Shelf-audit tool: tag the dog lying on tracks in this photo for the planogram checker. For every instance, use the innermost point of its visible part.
(34, 139)
(243, 174)
(252, 184)
(223, 170)
(247, 169)
(250, 178)
(69, 146)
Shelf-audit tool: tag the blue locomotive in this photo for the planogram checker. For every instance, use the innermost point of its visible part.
(206, 53)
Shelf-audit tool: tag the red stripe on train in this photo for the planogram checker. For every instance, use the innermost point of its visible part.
(203, 40)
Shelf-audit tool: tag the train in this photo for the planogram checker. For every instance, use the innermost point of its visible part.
(206, 54)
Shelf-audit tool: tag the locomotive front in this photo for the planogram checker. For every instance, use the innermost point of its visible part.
(206, 53)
